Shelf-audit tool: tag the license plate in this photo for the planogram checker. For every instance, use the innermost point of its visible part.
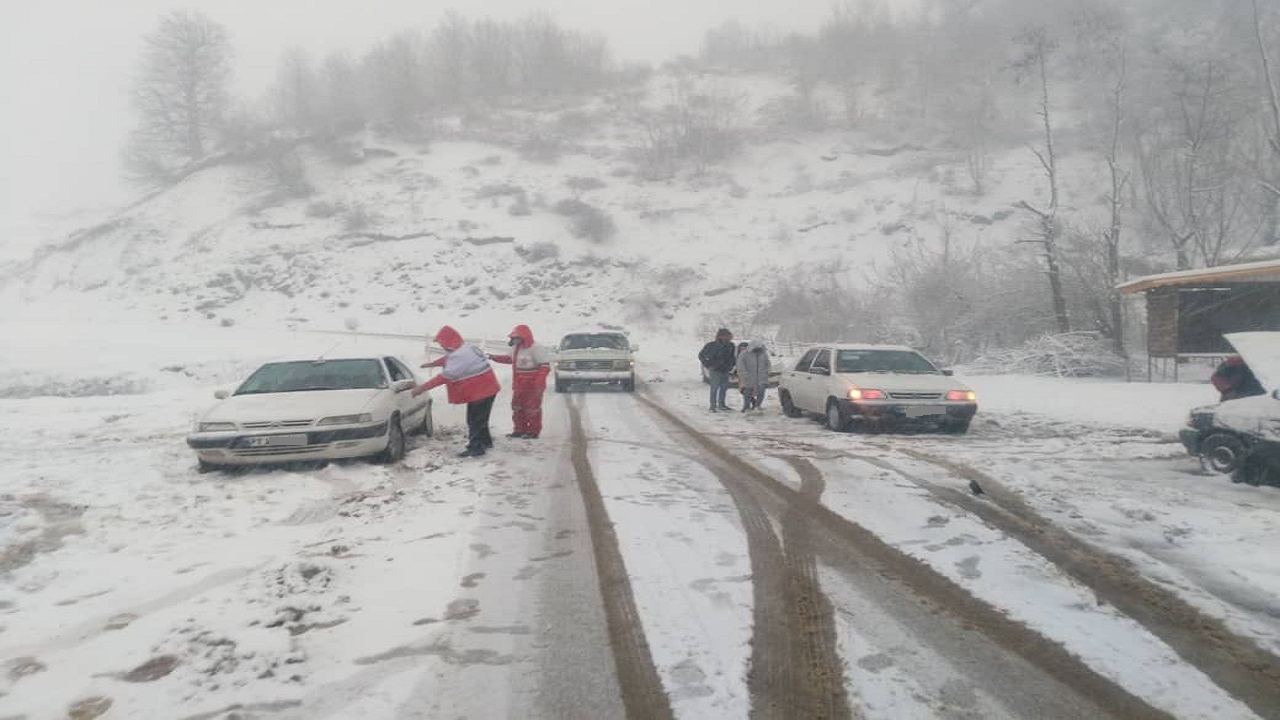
(278, 440)
(923, 410)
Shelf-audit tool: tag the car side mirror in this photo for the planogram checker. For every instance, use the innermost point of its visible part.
(948, 373)
(400, 386)
(635, 348)
(221, 394)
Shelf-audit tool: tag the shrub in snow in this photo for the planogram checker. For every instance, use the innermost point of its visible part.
(497, 190)
(586, 221)
(1075, 354)
(580, 184)
(539, 251)
(323, 209)
(357, 218)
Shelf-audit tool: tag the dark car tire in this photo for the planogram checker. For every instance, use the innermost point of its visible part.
(561, 386)
(788, 408)
(395, 449)
(956, 427)
(835, 418)
(203, 467)
(1222, 453)
(428, 426)
(629, 385)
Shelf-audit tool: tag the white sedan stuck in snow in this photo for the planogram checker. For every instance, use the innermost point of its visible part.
(313, 410)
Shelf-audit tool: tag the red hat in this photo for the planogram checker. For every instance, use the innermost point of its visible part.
(448, 338)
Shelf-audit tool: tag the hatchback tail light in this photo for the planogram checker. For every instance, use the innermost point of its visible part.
(962, 395)
(866, 394)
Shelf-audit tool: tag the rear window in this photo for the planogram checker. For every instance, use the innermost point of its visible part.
(892, 361)
(588, 341)
(313, 375)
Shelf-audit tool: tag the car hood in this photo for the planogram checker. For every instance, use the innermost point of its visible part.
(1257, 416)
(1261, 351)
(895, 382)
(302, 405)
(587, 353)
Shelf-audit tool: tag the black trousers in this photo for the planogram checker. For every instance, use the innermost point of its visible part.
(478, 437)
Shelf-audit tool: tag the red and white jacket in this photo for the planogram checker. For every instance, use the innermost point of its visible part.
(467, 375)
(530, 361)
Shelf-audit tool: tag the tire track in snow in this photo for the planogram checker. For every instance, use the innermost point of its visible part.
(864, 556)
(795, 670)
(1233, 662)
(642, 693)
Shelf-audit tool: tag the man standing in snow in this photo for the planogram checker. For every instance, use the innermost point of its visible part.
(718, 357)
(531, 363)
(753, 374)
(469, 379)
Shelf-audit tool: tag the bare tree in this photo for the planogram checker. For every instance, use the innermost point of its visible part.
(1038, 47)
(180, 93)
(297, 92)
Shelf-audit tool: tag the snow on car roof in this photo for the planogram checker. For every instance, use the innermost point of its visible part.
(1261, 351)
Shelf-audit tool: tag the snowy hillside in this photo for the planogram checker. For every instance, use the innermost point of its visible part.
(401, 236)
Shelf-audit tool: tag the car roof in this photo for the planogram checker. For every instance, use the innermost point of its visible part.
(323, 359)
(862, 346)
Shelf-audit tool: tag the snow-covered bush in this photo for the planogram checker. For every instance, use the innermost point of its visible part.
(1075, 354)
(587, 221)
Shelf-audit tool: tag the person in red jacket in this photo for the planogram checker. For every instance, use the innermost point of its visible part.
(531, 363)
(469, 379)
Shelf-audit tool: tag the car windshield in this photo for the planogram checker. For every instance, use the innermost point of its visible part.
(889, 361)
(313, 375)
(588, 341)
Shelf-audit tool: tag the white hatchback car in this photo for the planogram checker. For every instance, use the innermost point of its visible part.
(875, 386)
(313, 410)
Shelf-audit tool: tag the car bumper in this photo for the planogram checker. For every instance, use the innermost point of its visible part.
(910, 412)
(594, 376)
(240, 448)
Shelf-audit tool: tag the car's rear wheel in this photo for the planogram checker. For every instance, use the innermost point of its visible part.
(956, 427)
(788, 407)
(394, 451)
(1222, 453)
(835, 417)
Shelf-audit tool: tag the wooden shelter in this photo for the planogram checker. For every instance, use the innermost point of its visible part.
(1189, 311)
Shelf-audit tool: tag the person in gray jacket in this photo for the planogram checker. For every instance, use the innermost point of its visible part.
(753, 374)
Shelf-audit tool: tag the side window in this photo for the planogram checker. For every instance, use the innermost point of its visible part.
(803, 365)
(396, 370)
(823, 360)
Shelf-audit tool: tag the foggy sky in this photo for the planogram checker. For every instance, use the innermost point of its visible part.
(65, 66)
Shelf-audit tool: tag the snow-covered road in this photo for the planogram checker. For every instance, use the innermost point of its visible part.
(641, 558)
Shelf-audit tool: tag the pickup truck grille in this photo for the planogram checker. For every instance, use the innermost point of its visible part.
(915, 395)
(592, 364)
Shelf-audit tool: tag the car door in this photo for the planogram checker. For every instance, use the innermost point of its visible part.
(411, 408)
(798, 379)
(818, 388)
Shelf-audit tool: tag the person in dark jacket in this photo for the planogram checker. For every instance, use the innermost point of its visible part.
(718, 357)
(469, 378)
(1234, 380)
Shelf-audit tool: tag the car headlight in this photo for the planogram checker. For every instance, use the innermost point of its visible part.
(564, 365)
(623, 364)
(962, 395)
(346, 419)
(216, 426)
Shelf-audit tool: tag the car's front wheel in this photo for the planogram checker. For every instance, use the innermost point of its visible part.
(629, 385)
(835, 418)
(1222, 453)
(428, 426)
(204, 466)
(788, 407)
(394, 451)
(561, 386)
